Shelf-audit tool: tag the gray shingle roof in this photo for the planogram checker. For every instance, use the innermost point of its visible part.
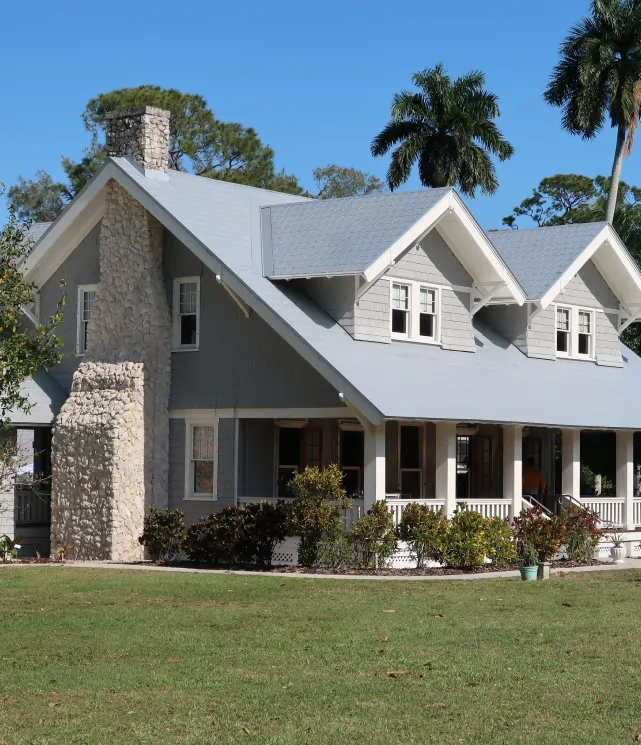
(37, 230)
(538, 257)
(403, 379)
(339, 236)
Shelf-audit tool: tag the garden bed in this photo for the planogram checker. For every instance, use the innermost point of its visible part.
(388, 572)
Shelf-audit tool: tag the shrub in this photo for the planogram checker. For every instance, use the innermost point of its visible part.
(335, 552)
(528, 555)
(544, 534)
(424, 531)
(499, 541)
(582, 532)
(163, 534)
(373, 536)
(465, 544)
(316, 514)
(219, 538)
(265, 527)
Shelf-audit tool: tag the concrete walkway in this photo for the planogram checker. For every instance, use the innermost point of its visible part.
(145, 567)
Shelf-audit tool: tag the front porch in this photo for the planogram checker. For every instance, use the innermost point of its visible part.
(440, 464)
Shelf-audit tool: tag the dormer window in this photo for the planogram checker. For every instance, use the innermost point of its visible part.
(414, 311)
(400, 309)
(563, 329)
(574, 332)
(427, 317)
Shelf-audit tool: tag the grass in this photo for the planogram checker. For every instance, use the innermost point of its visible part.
(92, 656)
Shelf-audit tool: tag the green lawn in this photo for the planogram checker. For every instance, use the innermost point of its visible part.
(117, 657)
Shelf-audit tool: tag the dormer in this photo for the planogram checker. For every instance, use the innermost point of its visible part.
(583, 288)
(409, 267)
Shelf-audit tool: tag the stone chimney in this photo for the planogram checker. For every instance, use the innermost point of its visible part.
(111, 439)
(143, 133)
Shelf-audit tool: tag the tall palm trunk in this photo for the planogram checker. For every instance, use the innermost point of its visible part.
(616, 174)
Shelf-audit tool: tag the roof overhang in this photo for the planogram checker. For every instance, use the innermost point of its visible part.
(468, 243)
(72, 225)
(615, 264)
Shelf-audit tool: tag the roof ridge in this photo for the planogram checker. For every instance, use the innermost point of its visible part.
(516, 231)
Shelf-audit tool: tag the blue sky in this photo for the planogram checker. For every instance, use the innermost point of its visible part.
(314, 79)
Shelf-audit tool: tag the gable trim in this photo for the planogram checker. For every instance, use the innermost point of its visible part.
(606, 237)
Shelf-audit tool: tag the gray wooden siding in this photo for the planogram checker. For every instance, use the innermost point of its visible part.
(608, 346)
(541, 335)
(431, 261)
(372, 314)
(195, 509)
(335, 296)
(590, 290)
(242, 362)
(456, 322)
(82, 267)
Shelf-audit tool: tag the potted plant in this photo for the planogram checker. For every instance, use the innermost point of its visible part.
(617, 550)
(529, 557)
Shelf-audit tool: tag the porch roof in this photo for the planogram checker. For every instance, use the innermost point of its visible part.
(45, 396)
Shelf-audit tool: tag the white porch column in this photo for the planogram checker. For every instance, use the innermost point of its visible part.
(571, 461)
(513, 467)
(7, 487)
(446, 465)
(374, 476)
(625, 476)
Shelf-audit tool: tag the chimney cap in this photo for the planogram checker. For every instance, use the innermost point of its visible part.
(137, 111)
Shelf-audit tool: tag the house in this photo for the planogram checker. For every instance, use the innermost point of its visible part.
(220, 337)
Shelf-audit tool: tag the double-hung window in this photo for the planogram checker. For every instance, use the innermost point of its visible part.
(200, 471)
(574, 332)
(186, 313)
(400, 309)
(414, 311)
(427, 313)
(563, 331)
(584, 336)
(86, 298)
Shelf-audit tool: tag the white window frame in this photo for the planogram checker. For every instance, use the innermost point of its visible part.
(408, 311)
(414, 312)
(177, 346)
(80, 305)
(573, 346)
(208, 421)
(569, 331)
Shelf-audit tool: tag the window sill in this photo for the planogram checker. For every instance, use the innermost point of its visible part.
(431, 342)
(200, 498)
(184, 349)
(575, 358)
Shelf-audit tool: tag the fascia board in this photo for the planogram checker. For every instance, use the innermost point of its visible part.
(486, 247)
(82, 214)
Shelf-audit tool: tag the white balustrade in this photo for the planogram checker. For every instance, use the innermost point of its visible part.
(397, 506)
(636, 512)
(609, 509)
(488, 507)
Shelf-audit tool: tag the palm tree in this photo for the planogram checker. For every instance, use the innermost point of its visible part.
(448, 128)
(599, 74)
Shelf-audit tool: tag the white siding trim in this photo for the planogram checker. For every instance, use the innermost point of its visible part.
(340, 412)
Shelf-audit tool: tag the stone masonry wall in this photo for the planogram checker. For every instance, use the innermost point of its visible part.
(143, 133)
(111, 439)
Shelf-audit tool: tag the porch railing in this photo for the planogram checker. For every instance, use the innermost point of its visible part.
(636, 512)
(488, 507)
(609, 509)
(32, 508)
(350, 516)
(397, 505)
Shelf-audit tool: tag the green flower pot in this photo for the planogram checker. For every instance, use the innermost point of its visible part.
(529, 574)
